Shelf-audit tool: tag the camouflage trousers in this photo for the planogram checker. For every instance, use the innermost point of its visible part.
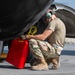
(42, 49)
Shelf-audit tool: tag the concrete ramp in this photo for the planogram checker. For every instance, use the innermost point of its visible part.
(67, 65)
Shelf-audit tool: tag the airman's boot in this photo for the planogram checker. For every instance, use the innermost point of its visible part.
(55, 62)
(41, 66)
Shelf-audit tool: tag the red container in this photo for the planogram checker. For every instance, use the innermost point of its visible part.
(18, 53)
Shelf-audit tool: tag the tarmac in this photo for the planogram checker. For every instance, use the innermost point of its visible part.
(67, 67)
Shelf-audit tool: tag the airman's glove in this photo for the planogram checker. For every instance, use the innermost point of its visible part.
(23, 37)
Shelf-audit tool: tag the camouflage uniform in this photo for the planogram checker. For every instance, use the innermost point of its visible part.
(42, 49)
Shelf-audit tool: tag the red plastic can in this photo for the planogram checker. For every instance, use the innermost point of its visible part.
(18, 52)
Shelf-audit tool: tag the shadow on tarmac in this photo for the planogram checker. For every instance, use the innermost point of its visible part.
(68, 52)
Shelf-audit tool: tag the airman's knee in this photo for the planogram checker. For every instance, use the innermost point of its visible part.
(32, 41)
